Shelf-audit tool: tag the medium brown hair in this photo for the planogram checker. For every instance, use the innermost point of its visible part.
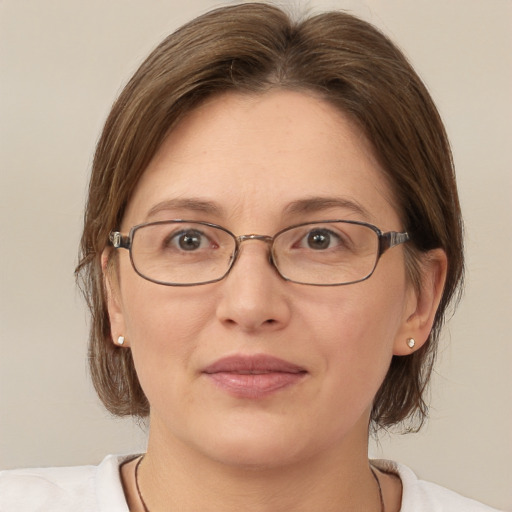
(251, 48)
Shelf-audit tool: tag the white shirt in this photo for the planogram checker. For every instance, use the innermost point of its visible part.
(99, 489)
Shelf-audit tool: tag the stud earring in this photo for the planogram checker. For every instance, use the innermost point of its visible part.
(411, 343)
(120, 340)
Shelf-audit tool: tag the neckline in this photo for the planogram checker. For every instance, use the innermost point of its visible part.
(146, 509)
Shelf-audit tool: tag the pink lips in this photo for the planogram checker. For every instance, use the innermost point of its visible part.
(253, 376)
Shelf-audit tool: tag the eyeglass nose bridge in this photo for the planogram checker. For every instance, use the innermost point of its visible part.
(262, 238)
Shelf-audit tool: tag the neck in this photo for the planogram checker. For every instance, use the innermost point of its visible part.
(175, 477)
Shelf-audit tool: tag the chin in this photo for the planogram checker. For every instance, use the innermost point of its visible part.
(256, 449)
(256, 457)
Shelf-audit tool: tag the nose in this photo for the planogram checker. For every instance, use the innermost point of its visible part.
(254, 296)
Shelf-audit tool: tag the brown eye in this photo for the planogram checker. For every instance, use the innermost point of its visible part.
(319, 239)
(189, 240)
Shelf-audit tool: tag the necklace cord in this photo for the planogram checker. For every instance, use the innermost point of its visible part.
(381, 497)
(146, 509)
(144, 506)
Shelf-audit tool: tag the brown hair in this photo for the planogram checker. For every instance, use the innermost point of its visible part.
(251, 48)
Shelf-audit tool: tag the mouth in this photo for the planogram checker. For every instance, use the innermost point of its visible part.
(253, 376)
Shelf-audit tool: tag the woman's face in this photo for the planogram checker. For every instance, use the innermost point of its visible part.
(255, 165)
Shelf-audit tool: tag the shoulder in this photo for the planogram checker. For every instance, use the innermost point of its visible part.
(76, 489)
(421, 496)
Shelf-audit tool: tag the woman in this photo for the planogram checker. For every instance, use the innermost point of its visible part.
(271, 241)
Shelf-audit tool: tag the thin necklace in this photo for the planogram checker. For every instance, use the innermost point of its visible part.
(382, 507)
(146, 509)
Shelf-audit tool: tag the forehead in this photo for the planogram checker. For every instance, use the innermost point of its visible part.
(256, 156)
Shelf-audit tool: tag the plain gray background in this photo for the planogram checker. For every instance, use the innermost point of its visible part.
(62, 64)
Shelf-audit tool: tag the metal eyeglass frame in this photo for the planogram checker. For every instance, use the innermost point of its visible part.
(387, 240)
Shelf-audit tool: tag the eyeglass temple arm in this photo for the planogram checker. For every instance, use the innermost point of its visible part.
(118, 240)
(390, 239)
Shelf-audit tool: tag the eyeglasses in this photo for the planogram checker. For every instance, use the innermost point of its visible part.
(324, 253)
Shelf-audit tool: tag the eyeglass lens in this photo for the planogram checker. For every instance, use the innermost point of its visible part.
(192, 253)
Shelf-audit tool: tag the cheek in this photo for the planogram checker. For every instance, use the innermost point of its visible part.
(356, 331)
(163, 325)
(154, 313)
(364, 317)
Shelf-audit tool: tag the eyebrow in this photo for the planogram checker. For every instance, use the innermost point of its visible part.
(318, 204)
(190, 204)
(300, 206)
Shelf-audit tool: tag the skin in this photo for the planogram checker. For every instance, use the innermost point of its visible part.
(303, 447)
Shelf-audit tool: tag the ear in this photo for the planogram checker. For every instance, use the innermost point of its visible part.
(422, 306)
(114, 305)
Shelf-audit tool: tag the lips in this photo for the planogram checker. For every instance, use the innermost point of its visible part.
(253, 376)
